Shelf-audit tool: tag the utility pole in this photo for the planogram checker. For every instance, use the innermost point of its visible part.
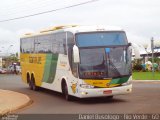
(152, 48)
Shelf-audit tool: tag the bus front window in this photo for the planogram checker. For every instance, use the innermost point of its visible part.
(101, 39)
(103, 55)
(97, 63)
(119, 62)
(92, 63)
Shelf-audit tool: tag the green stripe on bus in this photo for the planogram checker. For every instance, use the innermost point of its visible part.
(50, 68)
(119, 80)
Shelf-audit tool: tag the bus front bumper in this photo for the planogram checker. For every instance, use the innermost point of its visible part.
(101, 92)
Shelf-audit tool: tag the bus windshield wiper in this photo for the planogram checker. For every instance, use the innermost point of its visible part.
(114, 67)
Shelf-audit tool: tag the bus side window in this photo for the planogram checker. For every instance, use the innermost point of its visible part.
(70, 44)
(74, 68)
(27, 45)
(59, 43)
(43, 44)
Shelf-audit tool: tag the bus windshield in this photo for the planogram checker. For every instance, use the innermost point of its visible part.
(101, 39)
(105, 62)
(104, 55)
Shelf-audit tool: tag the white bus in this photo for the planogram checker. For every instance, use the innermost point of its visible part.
(80, 61)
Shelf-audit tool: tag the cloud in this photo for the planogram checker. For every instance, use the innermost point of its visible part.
(10, 40)
(139, 18)
(136, 38)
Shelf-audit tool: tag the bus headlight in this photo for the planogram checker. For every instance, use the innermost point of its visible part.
(86, 86)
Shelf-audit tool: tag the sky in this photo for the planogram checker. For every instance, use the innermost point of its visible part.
(139, 18)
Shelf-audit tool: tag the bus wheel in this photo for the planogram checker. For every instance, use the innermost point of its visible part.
(29, 82)
(65, 91)
(33, 85)
(30, 85)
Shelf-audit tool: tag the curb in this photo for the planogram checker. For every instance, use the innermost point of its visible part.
(8, 110)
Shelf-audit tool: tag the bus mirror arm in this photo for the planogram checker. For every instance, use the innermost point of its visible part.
(76, 54)
(129, 44)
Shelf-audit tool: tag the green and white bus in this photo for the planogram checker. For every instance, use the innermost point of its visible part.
(80, 61)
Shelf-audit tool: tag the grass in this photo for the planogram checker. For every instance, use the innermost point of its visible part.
(146, 76)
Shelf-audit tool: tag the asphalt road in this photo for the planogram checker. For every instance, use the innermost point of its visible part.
(145, 98)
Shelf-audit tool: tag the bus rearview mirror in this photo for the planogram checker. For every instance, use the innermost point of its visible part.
(76, 54)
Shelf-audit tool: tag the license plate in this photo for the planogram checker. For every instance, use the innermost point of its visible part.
(107, 92)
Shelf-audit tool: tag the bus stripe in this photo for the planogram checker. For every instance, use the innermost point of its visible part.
(50, 68)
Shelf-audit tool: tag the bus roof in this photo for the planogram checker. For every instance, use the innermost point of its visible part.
(74, 29)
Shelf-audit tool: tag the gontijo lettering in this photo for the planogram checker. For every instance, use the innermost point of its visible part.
(36, 60)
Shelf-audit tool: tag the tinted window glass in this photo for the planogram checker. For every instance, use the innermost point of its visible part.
(51, 43)
(101, 39)
(43, 44)
(71, 43)
(27, 45)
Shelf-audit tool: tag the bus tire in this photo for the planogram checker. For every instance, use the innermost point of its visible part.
(33, 85)
(65, 92)
(29, 82)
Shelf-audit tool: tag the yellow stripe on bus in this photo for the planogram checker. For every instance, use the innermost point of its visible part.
(98, 83)
(34, 64)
